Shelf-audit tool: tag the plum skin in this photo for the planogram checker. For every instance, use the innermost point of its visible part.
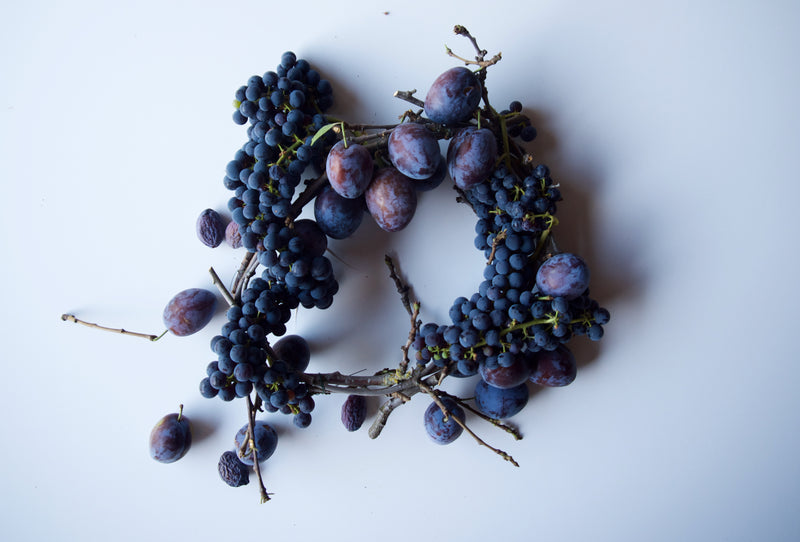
(471, 155)
(414, 150)
(170, 438)
(189, 311)
(266, 440)
(337, 216)
(507, 377)
(453, 96)
(555, 368)
(563, 275)
(500, 403)
(391, 199)
(349, 169)
(440, 431)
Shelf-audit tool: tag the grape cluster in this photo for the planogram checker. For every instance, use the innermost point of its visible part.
(246, 362)
(283, 109)
(513, 331)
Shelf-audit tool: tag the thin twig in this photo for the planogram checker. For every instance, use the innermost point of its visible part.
(412, 334)
(221, 287)
(251, 422)
(408, 96)
(149, 337)
(513, 431)
(402, 288)
(447, 413)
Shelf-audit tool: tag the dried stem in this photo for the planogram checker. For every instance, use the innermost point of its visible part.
(402, 288)
(250, 439)
(408, 96)
(239, 278)
(412, 334)
(221, 287)
(513, 431)
(447, 413)
(149, 337)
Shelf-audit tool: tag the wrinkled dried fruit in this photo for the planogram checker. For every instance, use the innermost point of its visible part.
(211, 228)
(354, 412)
(232, 235)
(232, 471)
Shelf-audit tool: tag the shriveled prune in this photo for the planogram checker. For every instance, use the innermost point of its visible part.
(354, 412)
(232, 471)
(211, 228)
(232, 235)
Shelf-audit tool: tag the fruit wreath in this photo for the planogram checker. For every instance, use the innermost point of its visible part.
(510, 334)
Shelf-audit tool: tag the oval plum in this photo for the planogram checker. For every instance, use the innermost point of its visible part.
(391, 199)
(189, 311)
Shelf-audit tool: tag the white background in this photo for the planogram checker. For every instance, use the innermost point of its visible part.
(674, 129)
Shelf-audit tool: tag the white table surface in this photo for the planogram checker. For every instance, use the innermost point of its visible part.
(674, 130)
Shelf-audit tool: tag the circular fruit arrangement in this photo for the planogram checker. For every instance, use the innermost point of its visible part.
(509, 335)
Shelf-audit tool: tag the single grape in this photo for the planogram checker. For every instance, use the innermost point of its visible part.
(453, 96)
(563, 275)
(555, 368)
(391, 199)
(189, 311)
(171, 438)
(266, 440)
(349, 169)
(294, 351)
(210, 228)
(414, 150)
(354, 412)
(500, 403)
(471, 155)
(443, 431)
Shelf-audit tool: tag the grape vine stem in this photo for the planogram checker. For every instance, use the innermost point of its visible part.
(427, 389)
(251, 422)
(121, 331)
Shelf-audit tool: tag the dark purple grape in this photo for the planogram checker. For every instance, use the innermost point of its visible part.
(171, 438)
(189, 311)
(391, 199)
(564, 275)
(210, 228)
(232, 471)
(500, 403)
(338, 217)
(440, 430)
(354, 412)
(266, 440)
(294, 351)
(349, 169)
(453, 96)
(471, 155)
(507, 377)
(555, 368)
(232, 235)
(414, 150)
(315, 243)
